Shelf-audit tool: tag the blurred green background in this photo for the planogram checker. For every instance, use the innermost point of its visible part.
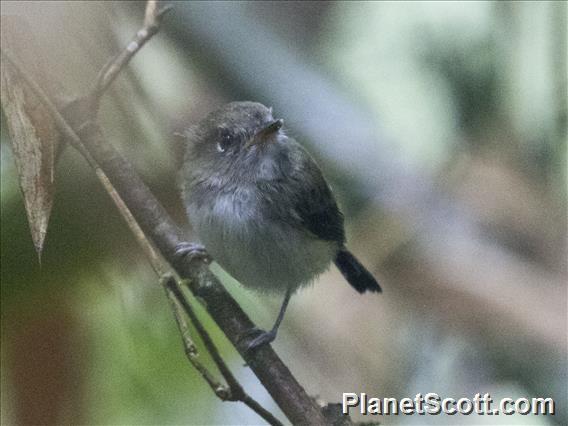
(441, 127)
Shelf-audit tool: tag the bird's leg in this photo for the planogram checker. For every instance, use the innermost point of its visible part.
(192, 251)
(265, 337)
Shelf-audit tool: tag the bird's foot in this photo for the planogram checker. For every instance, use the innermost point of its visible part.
(192, 251)
(259, 338)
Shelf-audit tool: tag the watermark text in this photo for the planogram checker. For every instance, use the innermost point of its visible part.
(433, 404)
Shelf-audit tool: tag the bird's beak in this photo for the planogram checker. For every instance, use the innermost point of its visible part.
(264, 134)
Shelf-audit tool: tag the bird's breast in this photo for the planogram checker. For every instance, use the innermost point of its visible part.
(258, 251)
(225, 220)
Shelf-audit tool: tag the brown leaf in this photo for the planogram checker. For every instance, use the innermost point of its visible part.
(34, 142)
(33, 133)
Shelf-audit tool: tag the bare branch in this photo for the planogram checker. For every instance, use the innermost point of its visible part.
(178, 302)
(79, 128)
(157, 224)
(168, 282)
(84, 134)
(152, 20)
(235, 391)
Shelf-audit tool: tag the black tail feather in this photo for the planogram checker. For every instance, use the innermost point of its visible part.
(355, 273)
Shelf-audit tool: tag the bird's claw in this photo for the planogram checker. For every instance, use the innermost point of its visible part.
(192, 251)
(259, 338)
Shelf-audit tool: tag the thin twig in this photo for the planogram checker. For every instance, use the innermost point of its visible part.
(157, 224)
(152, 20)
(178, 302)
(157, 263)
(234, 391)
(168, 282)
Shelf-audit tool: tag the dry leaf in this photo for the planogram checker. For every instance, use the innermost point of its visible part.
(33, 133)
(34, 138)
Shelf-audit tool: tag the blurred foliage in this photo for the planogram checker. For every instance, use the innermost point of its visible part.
(473, 94)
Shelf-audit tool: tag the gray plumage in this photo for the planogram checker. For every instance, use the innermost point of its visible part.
(251, 208)
(260, 204)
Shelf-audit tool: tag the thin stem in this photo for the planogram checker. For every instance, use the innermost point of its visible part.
(155, 260)
(152, 20)
(236, 391)
(168, 282)
(156, 223)
(260, 410)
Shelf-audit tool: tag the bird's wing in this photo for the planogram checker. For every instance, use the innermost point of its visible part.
(317, 208)
(313, 207)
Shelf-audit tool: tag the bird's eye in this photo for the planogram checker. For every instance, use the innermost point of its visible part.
(225, 142)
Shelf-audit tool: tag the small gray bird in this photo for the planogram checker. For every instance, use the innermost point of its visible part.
(261, 206)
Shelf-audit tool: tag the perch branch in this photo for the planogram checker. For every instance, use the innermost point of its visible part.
(164, 233)
(179, 304)
(156, 223)
(234, 391)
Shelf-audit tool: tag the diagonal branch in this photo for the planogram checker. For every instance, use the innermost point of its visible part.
(178, 302)
(168, 282)
(165, 234)
(79, 127)
(234, 391)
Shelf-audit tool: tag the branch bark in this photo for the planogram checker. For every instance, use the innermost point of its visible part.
(233, 391)
(275, 376)
(77, 121)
